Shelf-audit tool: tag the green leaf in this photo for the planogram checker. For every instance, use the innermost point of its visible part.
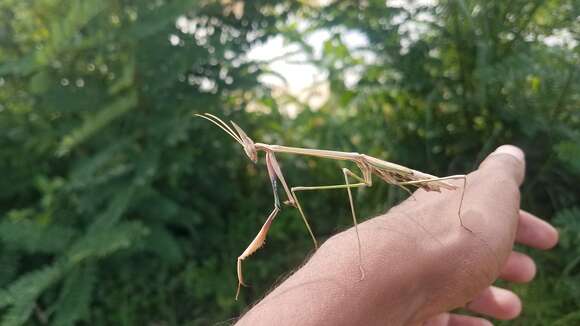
(111, 216)
(164, 245)
(103, 242)
(94, 123)
(569, 153)
(568, 220)
(19, 313)
(40, 82)
(33, 237)
(9, 265)
(126, 79)
(74, 301)
(28, 287)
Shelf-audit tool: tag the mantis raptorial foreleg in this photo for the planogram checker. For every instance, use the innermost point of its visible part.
(347, 186)
(274, 173)
(255, 245)
(452, 177)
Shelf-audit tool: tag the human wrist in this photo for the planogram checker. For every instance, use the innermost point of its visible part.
(413, 264)
(394, 281)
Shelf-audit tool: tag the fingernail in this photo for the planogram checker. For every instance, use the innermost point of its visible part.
(511, 150)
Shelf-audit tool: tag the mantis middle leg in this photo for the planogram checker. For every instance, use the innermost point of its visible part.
(347, 185)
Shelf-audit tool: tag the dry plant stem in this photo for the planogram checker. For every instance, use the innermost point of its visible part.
(391, 173)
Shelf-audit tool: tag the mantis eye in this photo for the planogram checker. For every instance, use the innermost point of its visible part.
(248, 143)
(253, 155)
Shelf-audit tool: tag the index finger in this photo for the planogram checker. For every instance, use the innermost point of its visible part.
(535, 232)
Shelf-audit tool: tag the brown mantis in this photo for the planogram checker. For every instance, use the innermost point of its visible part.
(389, 172)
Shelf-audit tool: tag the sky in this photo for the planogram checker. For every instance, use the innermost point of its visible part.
(302, 79)
(299, 74)
(302, 76)
(294, 75)
(307, 82)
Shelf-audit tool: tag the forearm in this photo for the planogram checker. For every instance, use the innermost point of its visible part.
(328, 290)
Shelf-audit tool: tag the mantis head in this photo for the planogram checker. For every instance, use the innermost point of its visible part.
(236, 133)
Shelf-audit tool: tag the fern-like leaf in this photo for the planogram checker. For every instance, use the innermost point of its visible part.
(98, 121)
(75, 297)
(28, 287)
(101, 243)
(32, 237)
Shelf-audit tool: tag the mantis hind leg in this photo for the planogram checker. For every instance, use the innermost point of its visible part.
(347, 186)
(453, 177)
(346, 173)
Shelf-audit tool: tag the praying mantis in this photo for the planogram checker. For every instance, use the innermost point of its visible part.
(391, 173)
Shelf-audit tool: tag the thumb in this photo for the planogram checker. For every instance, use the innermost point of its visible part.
(507, 161)
(496, 196)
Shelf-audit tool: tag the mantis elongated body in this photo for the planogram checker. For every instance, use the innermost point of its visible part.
(389, 172)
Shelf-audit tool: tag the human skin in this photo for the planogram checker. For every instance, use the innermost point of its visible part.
(419, 263)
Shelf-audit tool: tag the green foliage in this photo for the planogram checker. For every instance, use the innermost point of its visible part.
(104, 165)
(95, 123)
(32, 237)
(119, 208)
(74, 299)
(553, 298)
(22, 293)
(479, 76)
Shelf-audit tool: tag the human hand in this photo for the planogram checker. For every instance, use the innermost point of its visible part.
(419, 262)
(529, 230)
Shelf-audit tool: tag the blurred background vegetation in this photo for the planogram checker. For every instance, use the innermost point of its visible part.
(119, 208)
